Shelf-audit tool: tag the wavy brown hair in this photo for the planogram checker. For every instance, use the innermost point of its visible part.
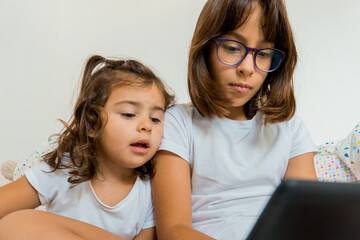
(276, 98)
(78, 140)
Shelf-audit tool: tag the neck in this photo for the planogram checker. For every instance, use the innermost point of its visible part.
(110, 172)
(111, 183)
(237, 113)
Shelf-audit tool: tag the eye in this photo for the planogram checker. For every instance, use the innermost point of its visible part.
(231, 49)
(128, 115)
(264, 54)
(155, 120)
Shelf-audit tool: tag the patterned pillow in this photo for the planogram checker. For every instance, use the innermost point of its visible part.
(339, 161)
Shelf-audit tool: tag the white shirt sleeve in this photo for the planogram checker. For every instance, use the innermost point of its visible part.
(149, 221)
(45, 182)
(301, 141)
(176, 136)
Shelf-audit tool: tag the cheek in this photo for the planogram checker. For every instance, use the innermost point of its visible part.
(157, 136)
(262, 78)
(109, 138)
(115, 131)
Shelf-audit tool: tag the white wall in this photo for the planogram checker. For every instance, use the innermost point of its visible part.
(43, 45)
(327, 78)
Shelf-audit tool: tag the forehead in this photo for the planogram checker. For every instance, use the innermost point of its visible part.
(242, 12)
(147, 94)
(252, 21)
(251, 32)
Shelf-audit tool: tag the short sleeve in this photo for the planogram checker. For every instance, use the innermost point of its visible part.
(177, 128)
(149, 221)
(46, 183)
(301, 141)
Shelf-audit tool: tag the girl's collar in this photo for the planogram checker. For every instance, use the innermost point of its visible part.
(237, 123)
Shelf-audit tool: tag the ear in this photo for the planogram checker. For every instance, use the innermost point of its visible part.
(91, 134)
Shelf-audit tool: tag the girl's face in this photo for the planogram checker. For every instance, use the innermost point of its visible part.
(243, 81)
(134, 127)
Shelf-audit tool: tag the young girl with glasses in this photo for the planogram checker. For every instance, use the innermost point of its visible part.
(99, 171)
(223, 155)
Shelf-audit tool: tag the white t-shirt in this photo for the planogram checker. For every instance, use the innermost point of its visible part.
(126, 219)
(235, 165)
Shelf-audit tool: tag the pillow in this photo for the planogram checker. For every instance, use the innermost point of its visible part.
(339, 161)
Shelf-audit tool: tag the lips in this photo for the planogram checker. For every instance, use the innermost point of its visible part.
(141, 146)
(239, 87)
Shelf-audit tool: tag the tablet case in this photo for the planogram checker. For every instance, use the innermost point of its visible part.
(310, 210)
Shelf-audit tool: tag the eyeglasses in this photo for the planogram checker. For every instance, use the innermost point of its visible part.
(231, 52)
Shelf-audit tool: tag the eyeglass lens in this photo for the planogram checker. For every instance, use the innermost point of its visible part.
(231, 53)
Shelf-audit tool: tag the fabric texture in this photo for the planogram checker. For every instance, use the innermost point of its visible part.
(235, 165)
(33, 159)
(339, 161)
(126, 219)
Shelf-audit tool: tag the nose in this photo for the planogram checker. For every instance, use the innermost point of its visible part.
(145, 125)
(247, 66)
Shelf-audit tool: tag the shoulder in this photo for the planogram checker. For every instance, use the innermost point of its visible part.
(141, 194)
(178, 130)
(297, 126)
(143, 184)
(179, 117)
(43, 173)
(184, 110)
(294, 128)
(294, 123)
(142, 187)
(301, 140)
(47, 182)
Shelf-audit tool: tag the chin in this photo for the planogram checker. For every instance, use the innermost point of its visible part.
(238, 104)
(139, 164)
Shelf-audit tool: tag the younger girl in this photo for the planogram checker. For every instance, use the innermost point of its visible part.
(99, 171)
(223, 155)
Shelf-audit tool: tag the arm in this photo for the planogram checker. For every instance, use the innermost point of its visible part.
(18, 195)
(171, 189)
(29, 225)
(301, 167)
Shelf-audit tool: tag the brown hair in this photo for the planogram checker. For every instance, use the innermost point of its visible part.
(78, 140)
(275, 99)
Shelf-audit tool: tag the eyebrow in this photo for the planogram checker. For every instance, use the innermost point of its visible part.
(138, 104)
(242, 38)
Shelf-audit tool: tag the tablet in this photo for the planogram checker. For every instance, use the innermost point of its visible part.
(310, 210)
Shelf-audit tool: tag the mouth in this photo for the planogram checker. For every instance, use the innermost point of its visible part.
(241, 88)
(141, 146)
